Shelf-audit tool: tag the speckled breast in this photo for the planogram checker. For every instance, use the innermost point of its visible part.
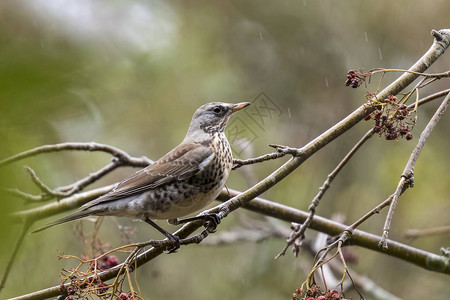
(185, 197)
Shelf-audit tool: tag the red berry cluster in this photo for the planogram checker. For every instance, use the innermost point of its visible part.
(107, 262)
(314, 293)
(392, 120)
(354, 79)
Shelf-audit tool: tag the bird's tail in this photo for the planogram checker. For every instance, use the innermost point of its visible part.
(73, 216)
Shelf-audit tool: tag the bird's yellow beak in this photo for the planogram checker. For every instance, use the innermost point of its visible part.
(239, 106)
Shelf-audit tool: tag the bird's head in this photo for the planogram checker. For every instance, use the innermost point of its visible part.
(212, 117)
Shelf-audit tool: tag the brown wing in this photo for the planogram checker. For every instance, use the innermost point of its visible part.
(182, 162)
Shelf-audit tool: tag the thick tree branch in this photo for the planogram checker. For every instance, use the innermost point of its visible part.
(50, 209)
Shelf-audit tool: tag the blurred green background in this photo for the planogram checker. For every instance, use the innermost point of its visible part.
(131, 73)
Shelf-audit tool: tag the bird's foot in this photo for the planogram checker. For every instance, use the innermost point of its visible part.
(174, 222)
(205, 217)
(174, 244)
(211, 221)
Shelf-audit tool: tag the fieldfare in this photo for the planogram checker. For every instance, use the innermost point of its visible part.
(181, 182)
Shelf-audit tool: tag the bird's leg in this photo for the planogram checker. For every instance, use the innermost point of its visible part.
(175, 239)
(210, 221)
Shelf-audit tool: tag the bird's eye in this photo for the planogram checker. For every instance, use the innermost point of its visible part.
(217, 109)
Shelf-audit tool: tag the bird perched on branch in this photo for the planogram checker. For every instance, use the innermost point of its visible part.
(181, 182)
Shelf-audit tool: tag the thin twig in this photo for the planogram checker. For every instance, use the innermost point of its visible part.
(416, 233)
(426, 75)
(12, 258)
(403, 184)
(281, 151)
(26, 196)
(50, 209)
(370, 213)
(237, 163)
(407, 178)
(45, 189)
(79, 185)
(299, 233)
(121, 158)
(86, 278)
(116, 152)
(431, 97)
(366, 284)
(349, 231)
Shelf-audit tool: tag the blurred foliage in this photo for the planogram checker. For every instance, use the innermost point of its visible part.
(130, 74)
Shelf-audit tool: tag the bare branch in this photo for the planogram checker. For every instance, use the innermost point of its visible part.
(121, 155)
(50, 209)
(37, 181)
(11, 260)
(79, 185)
(298, 234)
(281, 151)
(26, 196)
(430, 98)
(237, 163)
(416, 233)
(121, 158)
(426, 75)
(407, 178)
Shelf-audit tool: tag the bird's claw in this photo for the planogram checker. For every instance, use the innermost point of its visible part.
(174, 245)
(211, 222)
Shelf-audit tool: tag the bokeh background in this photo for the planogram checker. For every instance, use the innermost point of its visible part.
(131, 73)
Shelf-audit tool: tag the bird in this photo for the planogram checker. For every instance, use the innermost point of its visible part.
(181, 182)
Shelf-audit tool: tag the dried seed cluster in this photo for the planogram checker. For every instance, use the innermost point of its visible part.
(392, 120)
(354, 79)
(79, 285)
(107, 262)
(75, 290)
